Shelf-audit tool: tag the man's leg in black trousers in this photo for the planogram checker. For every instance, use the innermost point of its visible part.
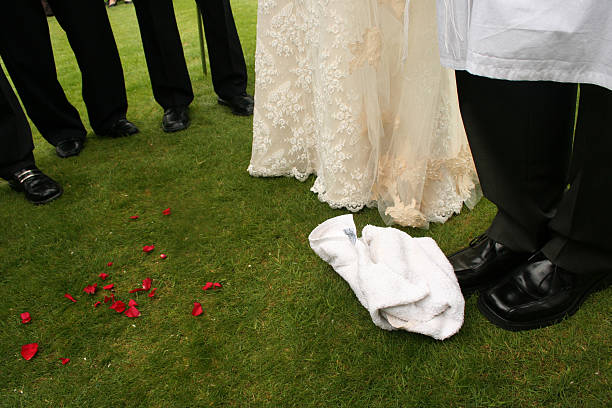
(16, 158)
(227, 65)
(91, 38)
(164, 53)
(16, 144)
(520, 134)
(581, 240)
(25, 47)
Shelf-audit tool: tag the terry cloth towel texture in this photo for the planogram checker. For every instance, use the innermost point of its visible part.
(405, 283)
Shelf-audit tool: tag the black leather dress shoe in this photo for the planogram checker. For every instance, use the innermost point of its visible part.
(38, 187)
(538, 294)
(121, 128)
(175, 119)
(241, 105)
(484, 263)
(71, 147)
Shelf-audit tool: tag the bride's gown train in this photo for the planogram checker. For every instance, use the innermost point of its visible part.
(345, 90)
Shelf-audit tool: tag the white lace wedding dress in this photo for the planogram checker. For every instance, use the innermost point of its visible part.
(350, 91)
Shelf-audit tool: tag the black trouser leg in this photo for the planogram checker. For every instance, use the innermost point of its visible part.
(581, 228)
(164, 53)
(25, 47)
(520, 136)
(91, 38)
(227, 66)
(15, 137)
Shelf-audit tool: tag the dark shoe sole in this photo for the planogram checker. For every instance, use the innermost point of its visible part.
(499, 321)
(63, 156)
(45, 201)
(172, 129)
(235, 112)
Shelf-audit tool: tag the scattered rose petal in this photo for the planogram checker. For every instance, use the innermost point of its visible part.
(152, 293)
(163, 256)
(97, 304)
(107, 299)
(207, 286)
(118, 306)
(113, 297)
(134, 217)
(166, 211)
(132, 312)
(217, 285)
(146, 283)
(65, 361)
(25, 317)
(109, 286)
(91, 289)
(132, 302)
(197, 309)
(67, 296)
(138, 290)
(29, 350)
(109, 264)
(103, 276)
(148, 248)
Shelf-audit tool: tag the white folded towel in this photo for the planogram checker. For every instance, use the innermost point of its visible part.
(405, 283)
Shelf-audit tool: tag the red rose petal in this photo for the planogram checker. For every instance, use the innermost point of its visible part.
(138, 290)
(97, 304)
(25, 317)
(65, 361)
(152, 292)
(103, 276)
(67, 296)
(146, 283)
(148, 248)
(109, 264)
(166, 211)
(132, 312)
(109, 287)
(134, 217)
(118, 306)
(107, 299)
(207, 286)
(29, 350)
(91, 289)
(197, 309)
(163, 256)
(132, 302)
(217, 285)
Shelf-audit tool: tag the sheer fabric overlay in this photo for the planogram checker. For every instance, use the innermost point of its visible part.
(342, 93)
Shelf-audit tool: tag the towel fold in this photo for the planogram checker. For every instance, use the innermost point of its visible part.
(404, 283)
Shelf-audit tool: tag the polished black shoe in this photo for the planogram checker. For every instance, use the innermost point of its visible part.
(71, 147)
(483, 263)
(38, 187)
(538, 294)
(241, 105)
(121, 128)
(175, 119)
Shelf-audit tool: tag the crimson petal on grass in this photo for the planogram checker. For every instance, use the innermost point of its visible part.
(90, 289)
(138, 290)
(217, 285)
(132, 312)
(67, 296)
(152, 293)
(29, 350)
(109, 264)
(167, 211)
(107, 299)
(197, 309)
(97, 303)
(207, 286)
(163, 256)
(134, 217)
(118, 306)
(109, 286)
(132, 302)
(146, 283)
(65, 361)
(25, 317)
(103, 276)
(148, 248)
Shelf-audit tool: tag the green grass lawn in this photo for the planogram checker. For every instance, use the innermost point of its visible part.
(285, 330)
